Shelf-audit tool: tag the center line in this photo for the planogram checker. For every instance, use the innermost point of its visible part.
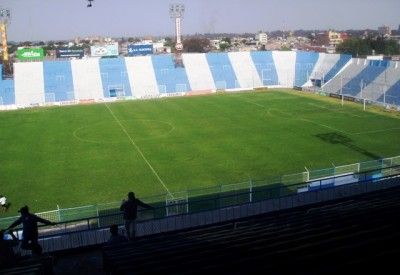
(139, 151)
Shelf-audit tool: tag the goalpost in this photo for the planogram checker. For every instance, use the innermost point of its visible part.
(177, 203)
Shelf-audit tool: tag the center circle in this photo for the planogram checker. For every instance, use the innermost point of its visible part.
(116, 132)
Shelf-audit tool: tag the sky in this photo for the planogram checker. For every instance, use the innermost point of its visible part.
(33, 20)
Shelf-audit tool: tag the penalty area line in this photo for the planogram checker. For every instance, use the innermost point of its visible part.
(138, 150)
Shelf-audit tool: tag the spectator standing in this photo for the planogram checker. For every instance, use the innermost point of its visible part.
(30, 232)
(129, 208)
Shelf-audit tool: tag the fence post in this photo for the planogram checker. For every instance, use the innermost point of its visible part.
(58, 213)
(251, 190)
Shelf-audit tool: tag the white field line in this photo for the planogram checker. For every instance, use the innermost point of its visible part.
(323, 125)
(333, 110)
(139, 151)
(376, 131)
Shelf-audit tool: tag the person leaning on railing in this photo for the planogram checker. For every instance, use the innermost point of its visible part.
(129, 207)
(30, 233)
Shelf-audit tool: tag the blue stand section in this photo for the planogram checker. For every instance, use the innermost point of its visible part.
(222, 71)
(365, 77)
(58, 80)
(7, 92)
(305, 63)
(344, 58)
(265, 66)
(170, 79)
(392, 95)
(114, 77)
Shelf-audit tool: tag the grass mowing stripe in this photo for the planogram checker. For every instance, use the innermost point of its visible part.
(139, 151)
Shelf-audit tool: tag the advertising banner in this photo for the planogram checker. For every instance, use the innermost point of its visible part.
(104, 50)
(143, 49)
(68, 53)
(30, 54)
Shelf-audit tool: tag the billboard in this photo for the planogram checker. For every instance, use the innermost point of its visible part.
(30, 54)
(68, 53)
(142, 49)
(104, 50)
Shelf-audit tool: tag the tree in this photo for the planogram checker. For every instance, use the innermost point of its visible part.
(196, 45)
(362, 47)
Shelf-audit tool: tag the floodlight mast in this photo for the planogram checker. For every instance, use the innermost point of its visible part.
(4, 20)
(176, 12)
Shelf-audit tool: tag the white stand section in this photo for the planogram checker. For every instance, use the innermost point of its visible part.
(198, 72)
(29, 83)
(323, 66)
(245, 70)
(142, 77)
(285, 64)
(87, 79)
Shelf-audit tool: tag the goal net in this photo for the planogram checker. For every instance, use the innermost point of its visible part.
(176, 203)
(236, 193)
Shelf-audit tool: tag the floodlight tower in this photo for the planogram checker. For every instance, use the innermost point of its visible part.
(4, 20)
(176, 12)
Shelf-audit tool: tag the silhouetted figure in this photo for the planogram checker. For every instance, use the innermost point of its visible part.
(7, 255)
(30, 232)
(115, 237)
(130, 213)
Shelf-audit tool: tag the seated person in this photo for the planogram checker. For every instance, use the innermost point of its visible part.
(115, 237)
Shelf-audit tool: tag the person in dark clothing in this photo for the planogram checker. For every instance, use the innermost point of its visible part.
(115, 237)
(129, 207)
(7, 255)
(30, 232)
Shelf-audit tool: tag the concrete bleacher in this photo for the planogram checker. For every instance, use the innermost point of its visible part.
(327, 238)
(99, 79)
(141, 76)
(198, 72)
(265, 67)
(222, 71)
(114, 77)
(305, 63)
(170, 79)
(245, 70)
(285, 64)
(87, 79)
(58, 82)
(338, 84)
(7, 94)
(357, 84)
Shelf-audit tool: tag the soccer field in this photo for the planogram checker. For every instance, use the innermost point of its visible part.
(88, 154)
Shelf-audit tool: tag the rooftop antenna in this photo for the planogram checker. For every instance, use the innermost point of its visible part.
(176, 12)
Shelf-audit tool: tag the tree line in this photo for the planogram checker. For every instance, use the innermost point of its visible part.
(358, 47)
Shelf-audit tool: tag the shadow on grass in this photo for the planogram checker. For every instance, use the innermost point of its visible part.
(337, 138)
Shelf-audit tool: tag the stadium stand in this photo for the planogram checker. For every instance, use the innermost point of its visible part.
(358, 233)
(7, 95)
(305, 63)
(339, 65)
(87, 80)
(222, 71)
(339, 84)
(364, 78)
(245, 70)
(265, 67)
(29, 83)
(198, 72)
(285, 67)
(42, 265)
(58, 83)
(99, 79)
(114, 77)
(392, 95)
(141, 76)
(169, 78)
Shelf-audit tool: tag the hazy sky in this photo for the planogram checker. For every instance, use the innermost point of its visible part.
(62, 19)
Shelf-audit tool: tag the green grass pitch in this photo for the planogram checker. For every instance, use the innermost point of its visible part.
(89, 154)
